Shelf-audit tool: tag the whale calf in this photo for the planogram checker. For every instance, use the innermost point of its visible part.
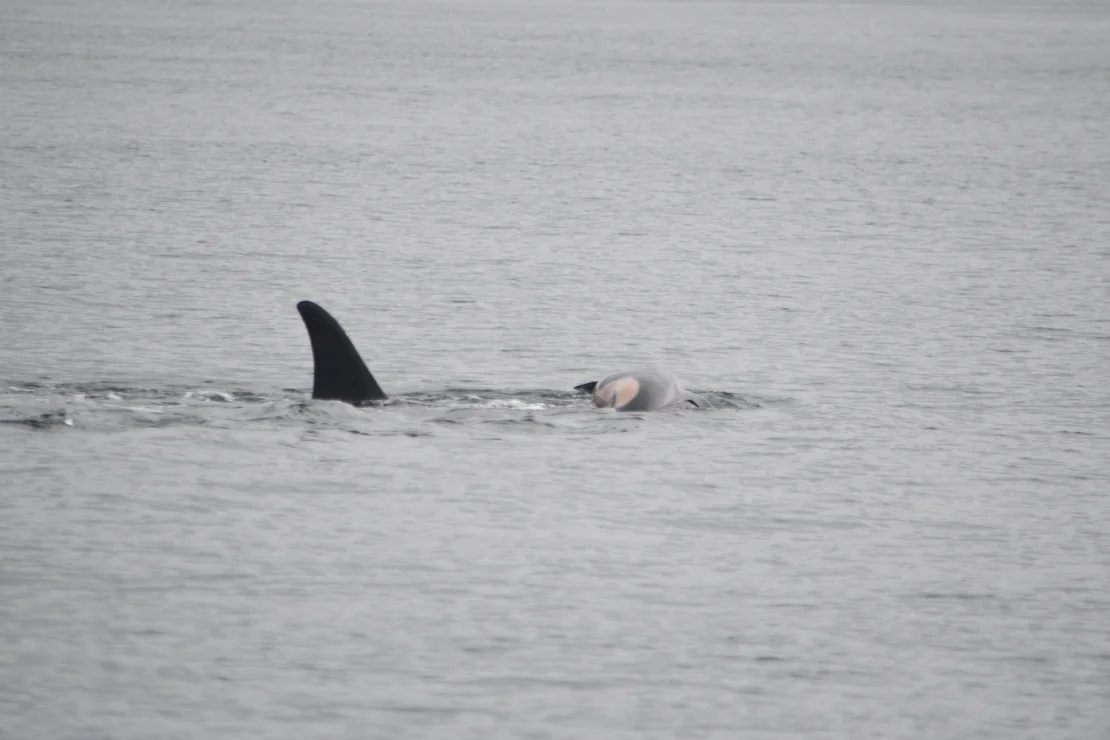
(340, 374)
(640, 390)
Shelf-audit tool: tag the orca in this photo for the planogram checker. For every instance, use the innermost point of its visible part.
(640, 390)
(340, 374)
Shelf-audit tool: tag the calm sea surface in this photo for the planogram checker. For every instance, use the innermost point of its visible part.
(877, 236)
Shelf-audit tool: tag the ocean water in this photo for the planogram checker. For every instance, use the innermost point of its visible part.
(876, 235)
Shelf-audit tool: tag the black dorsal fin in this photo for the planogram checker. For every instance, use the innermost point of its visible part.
(586, 387)
(338, 371)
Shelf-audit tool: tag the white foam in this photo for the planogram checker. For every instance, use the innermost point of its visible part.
(209, 396)
(513, 403)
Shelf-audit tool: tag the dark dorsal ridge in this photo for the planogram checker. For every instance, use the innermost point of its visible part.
(339, 374)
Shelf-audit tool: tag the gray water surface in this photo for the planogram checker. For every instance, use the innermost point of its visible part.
(877, 236)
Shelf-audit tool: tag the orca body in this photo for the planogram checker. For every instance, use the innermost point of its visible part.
(340, 374)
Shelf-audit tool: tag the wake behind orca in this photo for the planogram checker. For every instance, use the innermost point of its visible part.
(340, 374)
